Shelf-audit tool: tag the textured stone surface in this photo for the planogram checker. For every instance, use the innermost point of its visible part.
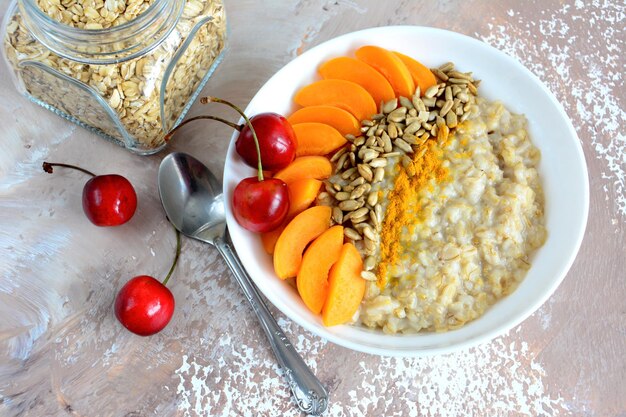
(63, 353)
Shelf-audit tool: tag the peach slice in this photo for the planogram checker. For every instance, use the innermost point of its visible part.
(351, 69)
(390, 66)
(422, 76)
(302, 194)
(312, 281)
(318, 167)
(338, 118)
(300, 231)
(339, 93)
(346, 288)
(317, 139)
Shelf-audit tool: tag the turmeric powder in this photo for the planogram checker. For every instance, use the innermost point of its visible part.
(404, 207)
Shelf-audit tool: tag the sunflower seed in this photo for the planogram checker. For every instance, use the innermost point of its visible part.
(368, 155)
(431, 91)
(440, 74)
(365, 171)
(374, 220)
(409, 138)
(391, 154)
(358, 191)
(387, 145)
(462, 75)
(472, 88)
(448, 66)
(446, 107)
(378, 163)
(337, 215)
(452, 80)
(360, 212)
(378, 209)
(352, 158)
(390, 106)
(370, 246)
(351, 234)
(397, 115)
(369, 263)
(392, 130)
(413, 127)
(378, 116)
(367, 123)
(372, 198)
(357, 182)
(342, 196)
(379, 174)
(355, 220)
(349, 205)
(451, 119)
(370, 141)
(368, 275)
(405, 102)
(403, 146)
(340, 163)
(350, 138)
(429, 102)
(346, 174)
(369, 233)
(338, 154)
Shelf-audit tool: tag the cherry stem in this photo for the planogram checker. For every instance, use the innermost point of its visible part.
(219, 119)
(209, 99)
(169, 274)
(47, 166)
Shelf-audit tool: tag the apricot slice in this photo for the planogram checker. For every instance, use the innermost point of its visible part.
(302, 194)
(390, 66)
(317, 167)
(422, 76)
(312, 278)
(300, 231)
(339, 93)
(338, 118)
(317, 139)
(345, 287)
(344, 68)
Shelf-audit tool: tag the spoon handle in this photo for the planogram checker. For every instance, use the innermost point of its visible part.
(309, 392)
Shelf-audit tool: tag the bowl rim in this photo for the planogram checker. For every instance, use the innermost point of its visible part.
(565, 264)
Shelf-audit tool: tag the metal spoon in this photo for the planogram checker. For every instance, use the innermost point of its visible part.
(193, 200)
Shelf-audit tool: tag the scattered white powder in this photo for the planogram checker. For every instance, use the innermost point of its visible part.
(594, 99)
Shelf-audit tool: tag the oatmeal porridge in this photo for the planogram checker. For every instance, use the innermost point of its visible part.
(475, 224)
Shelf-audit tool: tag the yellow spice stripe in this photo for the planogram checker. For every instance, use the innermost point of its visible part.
(403, 203)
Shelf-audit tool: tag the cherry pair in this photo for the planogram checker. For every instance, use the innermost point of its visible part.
(144, 305)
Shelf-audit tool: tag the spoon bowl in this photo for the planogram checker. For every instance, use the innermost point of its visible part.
(192, 197)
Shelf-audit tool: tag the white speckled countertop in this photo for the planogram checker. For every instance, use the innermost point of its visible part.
(63, 353)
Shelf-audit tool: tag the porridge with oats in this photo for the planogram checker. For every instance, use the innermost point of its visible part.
(473, 230)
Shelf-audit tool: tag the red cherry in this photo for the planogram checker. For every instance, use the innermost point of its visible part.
(260, 206)
(109, 200)
(277, 142)
(144, 305)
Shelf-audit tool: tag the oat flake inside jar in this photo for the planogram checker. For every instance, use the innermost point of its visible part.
(126, 69)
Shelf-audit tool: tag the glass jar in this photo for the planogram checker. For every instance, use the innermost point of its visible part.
(126, 69)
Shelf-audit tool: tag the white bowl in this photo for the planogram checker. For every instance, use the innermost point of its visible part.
(562, 169)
